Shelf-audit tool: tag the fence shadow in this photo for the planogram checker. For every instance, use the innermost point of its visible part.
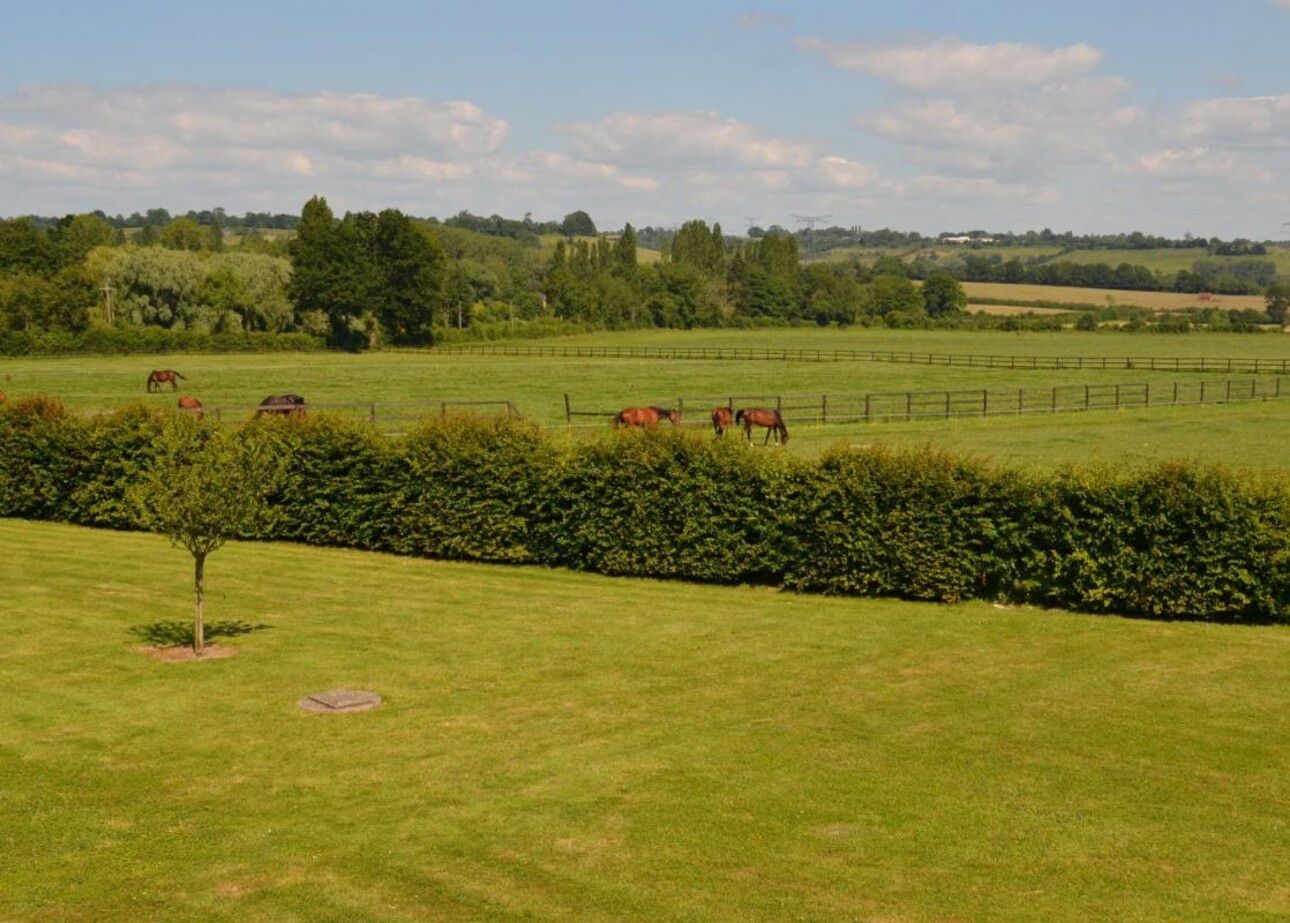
(180, 634)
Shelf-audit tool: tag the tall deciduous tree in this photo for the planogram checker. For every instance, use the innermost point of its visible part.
(205, 486)
(332, 273)
(413, 268)
(578, 224)
(943, 295)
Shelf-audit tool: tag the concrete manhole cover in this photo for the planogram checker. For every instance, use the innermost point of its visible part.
(340, 700)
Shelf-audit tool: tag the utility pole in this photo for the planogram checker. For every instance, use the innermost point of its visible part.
(107, 291)
(810, 221)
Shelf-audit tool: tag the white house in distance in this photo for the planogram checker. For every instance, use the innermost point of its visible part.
(964, 239)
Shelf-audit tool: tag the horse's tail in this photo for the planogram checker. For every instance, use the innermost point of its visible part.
(739, 416)
(618, 419)
(783, 430)
(177, 375)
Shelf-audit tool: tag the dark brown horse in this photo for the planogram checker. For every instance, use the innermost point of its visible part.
(161, 376)
(645, 416)
(191, 405)
(286, 404)
(763, 416)
(721, 420)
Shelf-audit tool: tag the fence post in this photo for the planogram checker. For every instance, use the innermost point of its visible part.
(824, 409)
(866, 407)
(568, 414)
(1086, 397)
(909, 405)
(371, 417)
(985, 402)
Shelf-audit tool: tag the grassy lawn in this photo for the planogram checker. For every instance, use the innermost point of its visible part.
(1249, 434)
(556, 746)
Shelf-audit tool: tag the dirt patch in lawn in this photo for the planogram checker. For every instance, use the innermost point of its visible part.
(180, 653)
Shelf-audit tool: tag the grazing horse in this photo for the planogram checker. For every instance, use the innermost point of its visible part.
(763, 416)
(645, 416)
(191, 405)
(721, 420)
(158, 378)
(286, 404)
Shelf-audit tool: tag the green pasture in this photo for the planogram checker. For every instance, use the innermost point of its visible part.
(559, 746)
(1246, 434)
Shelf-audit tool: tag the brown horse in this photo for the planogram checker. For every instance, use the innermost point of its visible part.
(286, 404)
(763, 416)
(721, 420)
(645, 416)
(191, 405)
(161, 376)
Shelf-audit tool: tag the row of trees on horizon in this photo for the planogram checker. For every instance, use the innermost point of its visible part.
(365, 278)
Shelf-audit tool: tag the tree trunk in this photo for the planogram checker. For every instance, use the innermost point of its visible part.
(199, 639)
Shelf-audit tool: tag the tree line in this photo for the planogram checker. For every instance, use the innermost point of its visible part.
(362, 279)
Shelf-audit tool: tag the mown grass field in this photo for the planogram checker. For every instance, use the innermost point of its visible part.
(1243, 434)
(556, 746)
(1166, 260)
(1107, 297)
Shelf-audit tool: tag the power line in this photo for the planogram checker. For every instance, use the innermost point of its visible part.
(810, 221)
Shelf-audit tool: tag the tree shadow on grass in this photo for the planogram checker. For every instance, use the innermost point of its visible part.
(180, 634)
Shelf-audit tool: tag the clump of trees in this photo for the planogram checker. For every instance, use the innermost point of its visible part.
(364, 278)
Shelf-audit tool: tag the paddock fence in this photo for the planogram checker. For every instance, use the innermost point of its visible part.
(390, 417)
(877, 407)
(964, 360)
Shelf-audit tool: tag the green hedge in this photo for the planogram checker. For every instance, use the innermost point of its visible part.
(130, 340)
(1173, 541)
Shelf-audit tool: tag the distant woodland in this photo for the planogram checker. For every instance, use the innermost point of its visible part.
(364, 279)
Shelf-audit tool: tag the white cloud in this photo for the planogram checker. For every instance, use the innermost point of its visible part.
(128, 148)
(950, 64)
(757, 19)
(1255, 123)
(656, 138)
(1197, 164)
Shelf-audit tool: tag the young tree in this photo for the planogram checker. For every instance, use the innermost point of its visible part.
(204, 486)
(1277, 299)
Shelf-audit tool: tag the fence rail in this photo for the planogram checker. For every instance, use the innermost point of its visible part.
(869, 407)
(400, 413)
(968, 360)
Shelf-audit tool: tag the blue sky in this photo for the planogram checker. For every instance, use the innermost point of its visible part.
(931, 116)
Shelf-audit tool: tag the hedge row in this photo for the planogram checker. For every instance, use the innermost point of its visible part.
(1173, 541)
(129, 340)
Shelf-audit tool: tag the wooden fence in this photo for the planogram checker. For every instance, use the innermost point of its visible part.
(386, 416)
(969, 360)
(872, 407)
